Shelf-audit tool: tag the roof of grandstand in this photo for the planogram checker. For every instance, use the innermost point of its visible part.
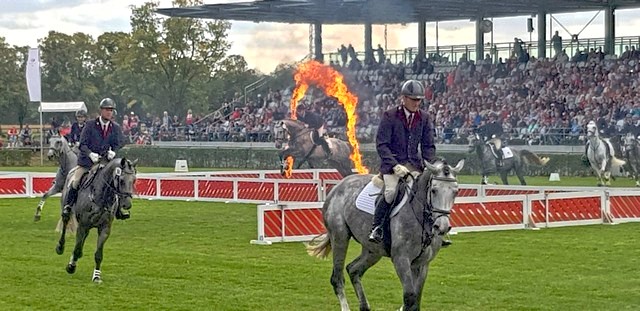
(385, 11)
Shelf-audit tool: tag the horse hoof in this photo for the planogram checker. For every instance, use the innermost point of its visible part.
(36, 218)
(59, 249)
(71, 269)
(97, 280)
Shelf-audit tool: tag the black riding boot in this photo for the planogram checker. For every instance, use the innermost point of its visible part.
(380, 214)
(72, 195)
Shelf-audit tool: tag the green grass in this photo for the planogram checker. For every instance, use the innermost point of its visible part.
(465, 179)
(197, 256)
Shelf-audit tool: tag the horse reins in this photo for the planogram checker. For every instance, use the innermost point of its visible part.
(427, 218)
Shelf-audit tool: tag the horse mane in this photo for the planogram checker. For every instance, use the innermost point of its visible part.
(297, 124)
(102, 184)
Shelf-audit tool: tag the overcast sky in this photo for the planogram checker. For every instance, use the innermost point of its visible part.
(264, 45)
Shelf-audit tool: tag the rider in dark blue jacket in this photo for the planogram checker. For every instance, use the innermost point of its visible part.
(100, 138)
(316, 122)
(76, 128)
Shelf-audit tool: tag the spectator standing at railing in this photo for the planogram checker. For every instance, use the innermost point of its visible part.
(556, 41)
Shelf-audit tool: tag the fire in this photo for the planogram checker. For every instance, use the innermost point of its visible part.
(288, 166)
(332, 83)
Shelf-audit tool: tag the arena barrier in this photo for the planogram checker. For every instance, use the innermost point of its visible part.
(303, 221)
(250, 186)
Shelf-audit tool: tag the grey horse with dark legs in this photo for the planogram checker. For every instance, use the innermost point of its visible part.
(632, 156)
(67, 159)
(515, 163)
(110, 188)
(601, 155)
(416, 232)
(300, 146)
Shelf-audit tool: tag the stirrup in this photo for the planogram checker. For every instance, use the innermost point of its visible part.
(376, 235)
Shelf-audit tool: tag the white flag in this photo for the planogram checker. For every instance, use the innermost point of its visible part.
(33, 75)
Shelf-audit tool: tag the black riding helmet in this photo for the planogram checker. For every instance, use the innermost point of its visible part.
(107, 103)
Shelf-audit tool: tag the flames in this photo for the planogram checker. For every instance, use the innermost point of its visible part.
(288, 167)
(332, 83)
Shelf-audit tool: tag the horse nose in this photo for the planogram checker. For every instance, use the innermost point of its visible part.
(126, 203)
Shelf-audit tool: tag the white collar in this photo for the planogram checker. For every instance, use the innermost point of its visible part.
(102, 123)
(407, 113)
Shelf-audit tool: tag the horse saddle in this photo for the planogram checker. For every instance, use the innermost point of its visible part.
(507, 153)
(87, 179)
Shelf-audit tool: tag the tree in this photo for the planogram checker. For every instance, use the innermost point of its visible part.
(68, 64)
(234, 74)
(173, 60)
(13, 88)
(109, 71)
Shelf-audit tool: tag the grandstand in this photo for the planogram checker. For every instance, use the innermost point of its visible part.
(538, 99)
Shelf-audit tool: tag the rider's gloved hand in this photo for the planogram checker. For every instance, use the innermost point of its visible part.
(110, 155)
(94, 157)
(401, 170)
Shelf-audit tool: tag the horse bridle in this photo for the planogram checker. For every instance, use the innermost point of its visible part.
(116, 188)
(292, 138)
(428, 218)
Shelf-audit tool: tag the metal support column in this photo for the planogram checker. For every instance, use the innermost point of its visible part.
(368, 49)
(479, 40)
(317, 42)
(422, 39)
(542, 34)
(609, 30)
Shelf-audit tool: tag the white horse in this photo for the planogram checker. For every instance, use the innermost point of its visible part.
(601, 155)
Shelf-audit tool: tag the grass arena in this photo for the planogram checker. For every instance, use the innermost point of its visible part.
(180, 251)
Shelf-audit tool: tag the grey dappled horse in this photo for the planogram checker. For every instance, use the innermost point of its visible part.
(98, 200)
(301, 147)
(632, 156)
(67, 159)
(516, 162)
(432, 197)
(600, 159)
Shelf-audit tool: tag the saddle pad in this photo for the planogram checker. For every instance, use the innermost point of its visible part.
(507, 153)
(366, 200)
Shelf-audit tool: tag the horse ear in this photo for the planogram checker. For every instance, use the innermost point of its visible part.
(134, 163)
(458, 167)
(123, 162)
(433, 168)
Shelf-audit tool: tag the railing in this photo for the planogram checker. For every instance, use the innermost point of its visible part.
(453, 53)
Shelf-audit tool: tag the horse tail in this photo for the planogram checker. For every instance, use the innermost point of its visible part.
(533, 158)
(72, 226)
(320, 246)
(617, 162)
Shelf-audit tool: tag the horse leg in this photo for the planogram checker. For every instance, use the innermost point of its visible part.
(53, 190)
(65, 222)
(356, 270)
(420, 273)
(520, 175)
(81, 237)
(340, 244)
(103, 235)
(503, 176)
(402, 265)
(485, 180)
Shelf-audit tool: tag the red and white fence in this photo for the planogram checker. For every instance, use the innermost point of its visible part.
(303, 221)
(290, 209)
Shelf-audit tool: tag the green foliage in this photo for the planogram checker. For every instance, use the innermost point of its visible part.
(14, 157)
(14, 102)
(163, 64)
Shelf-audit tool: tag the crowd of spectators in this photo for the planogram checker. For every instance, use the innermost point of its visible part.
(537, 101)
